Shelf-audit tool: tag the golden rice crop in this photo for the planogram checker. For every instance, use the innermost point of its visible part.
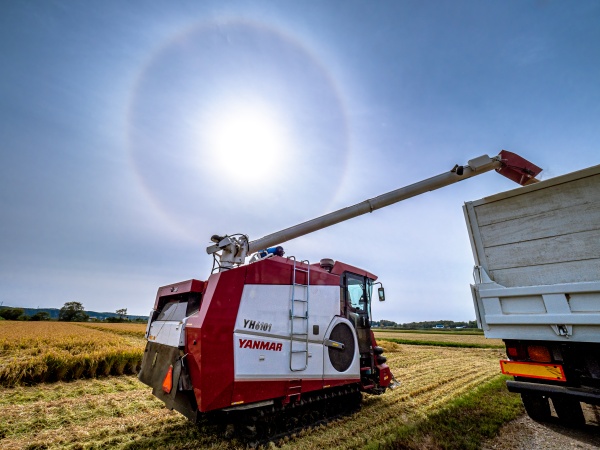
(124, 328)
(120, 412)
(34, 352)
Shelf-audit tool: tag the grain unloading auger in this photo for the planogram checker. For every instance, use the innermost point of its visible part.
(234, 250)
(277, 334)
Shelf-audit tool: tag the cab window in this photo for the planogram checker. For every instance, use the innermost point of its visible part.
(355, 293)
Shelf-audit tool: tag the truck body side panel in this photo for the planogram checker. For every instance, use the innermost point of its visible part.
(537, 251)
(542, 234)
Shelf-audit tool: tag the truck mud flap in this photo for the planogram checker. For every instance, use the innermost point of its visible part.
(155, 365)
(591, 396)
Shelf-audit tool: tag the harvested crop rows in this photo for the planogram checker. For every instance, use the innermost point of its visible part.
(466, 339)
(120, 412)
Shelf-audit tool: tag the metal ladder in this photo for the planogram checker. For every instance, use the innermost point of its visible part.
(299, 313)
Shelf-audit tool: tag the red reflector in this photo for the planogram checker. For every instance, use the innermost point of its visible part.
(516, 351)
(539, 353)
(168, 381)
(512, 352)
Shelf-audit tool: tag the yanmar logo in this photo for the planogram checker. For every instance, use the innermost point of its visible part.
(260, 345)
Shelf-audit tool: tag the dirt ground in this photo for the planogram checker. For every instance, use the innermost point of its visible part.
(526, 434)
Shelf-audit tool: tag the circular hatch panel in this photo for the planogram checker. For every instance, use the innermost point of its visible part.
(341, 359)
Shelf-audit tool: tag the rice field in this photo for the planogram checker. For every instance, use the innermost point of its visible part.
(440, 337)
(127, 329)
(120, 412)
(36, 352)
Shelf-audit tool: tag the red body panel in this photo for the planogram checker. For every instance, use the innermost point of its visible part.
(385, 375)
(339, 268)
(179, 288)
(277, 270)
(337, 382)
(257, 390)
(212, 372)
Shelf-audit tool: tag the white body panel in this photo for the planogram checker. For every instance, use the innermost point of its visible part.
(549, 313)
(263, 327)
(167, 332)
(537, 251)
(255, 364)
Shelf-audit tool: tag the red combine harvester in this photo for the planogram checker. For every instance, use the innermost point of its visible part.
(276, 342)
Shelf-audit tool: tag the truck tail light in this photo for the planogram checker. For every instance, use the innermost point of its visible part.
(539, 353)
(515, 351)
(167, 384)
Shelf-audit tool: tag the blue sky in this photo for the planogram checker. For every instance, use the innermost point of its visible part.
(130, 132)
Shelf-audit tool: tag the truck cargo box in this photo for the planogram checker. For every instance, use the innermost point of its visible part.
(537, 256)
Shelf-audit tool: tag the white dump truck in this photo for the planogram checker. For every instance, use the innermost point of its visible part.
(537, 287)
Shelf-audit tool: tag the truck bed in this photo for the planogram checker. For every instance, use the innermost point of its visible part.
(537, 256)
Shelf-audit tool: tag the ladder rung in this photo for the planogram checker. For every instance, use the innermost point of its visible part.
(299, 339)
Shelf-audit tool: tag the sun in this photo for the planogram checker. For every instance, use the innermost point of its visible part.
(246, 141)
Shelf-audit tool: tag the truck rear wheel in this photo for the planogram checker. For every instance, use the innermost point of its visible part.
(537, 407)
(569, 411)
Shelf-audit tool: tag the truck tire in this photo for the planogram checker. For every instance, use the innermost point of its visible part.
(569, 411)
(537, 407)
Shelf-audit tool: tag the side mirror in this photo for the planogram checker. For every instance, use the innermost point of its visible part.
(381, 294)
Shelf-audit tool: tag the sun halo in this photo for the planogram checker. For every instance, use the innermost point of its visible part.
(246, 143)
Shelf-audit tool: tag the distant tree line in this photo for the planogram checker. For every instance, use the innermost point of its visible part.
(19, 314)
(423, 325)
(70, 312)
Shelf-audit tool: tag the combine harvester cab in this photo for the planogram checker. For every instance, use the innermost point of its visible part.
(265, 333)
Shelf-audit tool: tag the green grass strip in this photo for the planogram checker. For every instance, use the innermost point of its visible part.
(440, 343)
(464, 423)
